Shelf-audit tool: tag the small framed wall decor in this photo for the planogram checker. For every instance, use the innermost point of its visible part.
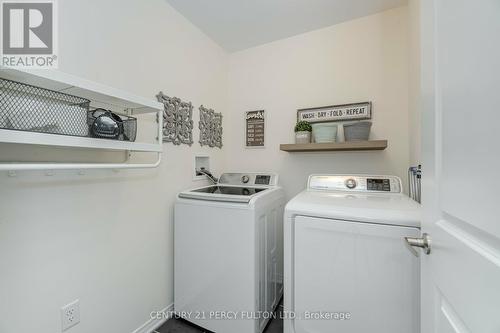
(255, 129)
(344, 112)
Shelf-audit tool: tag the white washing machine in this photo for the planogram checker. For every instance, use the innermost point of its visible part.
(228, 270)
(347, 268)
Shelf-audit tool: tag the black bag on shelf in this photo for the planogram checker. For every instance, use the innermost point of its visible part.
(108, 125)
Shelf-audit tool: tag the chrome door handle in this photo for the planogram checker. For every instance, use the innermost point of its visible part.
(423, 242)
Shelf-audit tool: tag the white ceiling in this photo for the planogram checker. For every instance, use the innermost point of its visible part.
(240, 24)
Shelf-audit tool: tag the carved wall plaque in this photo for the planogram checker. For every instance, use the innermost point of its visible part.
(210, 127)
(177, 120)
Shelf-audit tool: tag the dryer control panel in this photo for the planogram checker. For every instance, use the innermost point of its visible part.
(355, 183)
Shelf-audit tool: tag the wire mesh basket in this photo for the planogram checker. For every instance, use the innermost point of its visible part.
(129, 128)
(25, 107)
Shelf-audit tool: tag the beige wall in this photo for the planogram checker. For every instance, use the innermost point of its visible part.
(360, 60)
(414, 80)
(105, 237)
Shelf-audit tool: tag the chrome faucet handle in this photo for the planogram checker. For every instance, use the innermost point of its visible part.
(208, 174)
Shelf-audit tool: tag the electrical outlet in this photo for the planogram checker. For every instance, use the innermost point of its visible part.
(70, 315)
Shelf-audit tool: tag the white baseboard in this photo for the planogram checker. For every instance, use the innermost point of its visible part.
(152, 324)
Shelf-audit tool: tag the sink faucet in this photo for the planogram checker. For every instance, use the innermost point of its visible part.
(207, 173)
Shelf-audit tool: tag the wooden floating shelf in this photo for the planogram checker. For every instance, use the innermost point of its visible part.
(338, 146)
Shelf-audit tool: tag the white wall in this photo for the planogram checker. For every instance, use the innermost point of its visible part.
(360, 60)
(104, 237)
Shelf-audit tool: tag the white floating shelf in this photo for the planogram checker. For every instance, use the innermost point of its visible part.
(43, 139)
(99, 95)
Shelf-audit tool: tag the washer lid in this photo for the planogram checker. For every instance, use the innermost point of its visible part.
(382, 208)
(224, 193)
(229, 190)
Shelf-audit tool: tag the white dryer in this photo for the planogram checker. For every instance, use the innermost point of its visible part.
(228, 270)
(347, 268)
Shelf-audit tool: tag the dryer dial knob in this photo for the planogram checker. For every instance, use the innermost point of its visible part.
(245, 179)
(350, 183)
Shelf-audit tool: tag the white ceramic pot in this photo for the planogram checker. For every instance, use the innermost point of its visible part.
(303, 137)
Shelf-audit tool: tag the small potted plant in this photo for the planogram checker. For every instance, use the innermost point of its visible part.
(303, 132)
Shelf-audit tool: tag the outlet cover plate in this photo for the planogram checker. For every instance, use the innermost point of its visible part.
(70, 315)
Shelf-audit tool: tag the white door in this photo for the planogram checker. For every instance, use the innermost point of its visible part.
(461, 160)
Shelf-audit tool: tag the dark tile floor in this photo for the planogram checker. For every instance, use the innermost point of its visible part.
(181, 326)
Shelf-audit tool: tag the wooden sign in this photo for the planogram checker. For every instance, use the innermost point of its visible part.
(254, 128)
(343, 112)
